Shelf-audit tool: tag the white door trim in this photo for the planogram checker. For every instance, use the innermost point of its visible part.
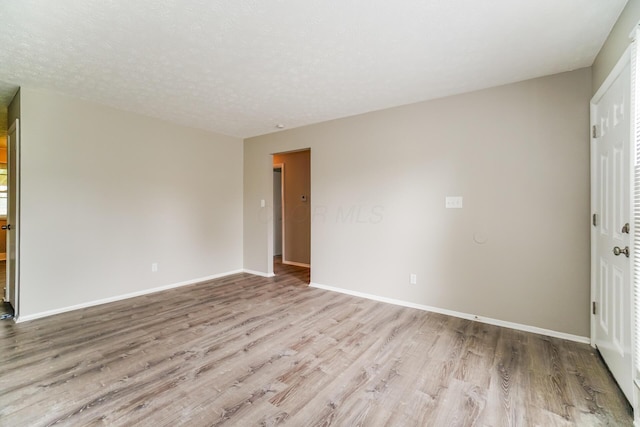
(14, 175)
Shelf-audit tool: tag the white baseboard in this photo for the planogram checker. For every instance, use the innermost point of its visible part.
(488, 320)
(121, 297)
(258, 273)
(297, 264)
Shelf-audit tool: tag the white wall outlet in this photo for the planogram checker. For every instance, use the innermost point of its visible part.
(413, 279)
(263, 203)
(154, 267)
(453, 202)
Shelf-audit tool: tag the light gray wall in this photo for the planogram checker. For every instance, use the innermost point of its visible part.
(105, 193)
(616, 43)
(518, 154)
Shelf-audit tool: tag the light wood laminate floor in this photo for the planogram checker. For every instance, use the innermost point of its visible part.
(246, 350)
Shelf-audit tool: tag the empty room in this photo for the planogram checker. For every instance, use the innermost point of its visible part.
(261, 213)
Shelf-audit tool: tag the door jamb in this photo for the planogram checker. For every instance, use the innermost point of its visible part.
(281, 167)
(14, 171)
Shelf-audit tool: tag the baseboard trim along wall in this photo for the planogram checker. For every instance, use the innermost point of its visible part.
(488, 320)
(258, 273)
(28, 317)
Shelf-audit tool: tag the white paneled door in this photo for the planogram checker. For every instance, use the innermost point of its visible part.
(611, 269)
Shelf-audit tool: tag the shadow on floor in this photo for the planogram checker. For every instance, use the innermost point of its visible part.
(301, 274)
(6, 311)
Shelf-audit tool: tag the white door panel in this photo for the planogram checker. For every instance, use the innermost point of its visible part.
(612, 272)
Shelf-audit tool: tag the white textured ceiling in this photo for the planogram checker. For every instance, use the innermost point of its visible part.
(240, 67)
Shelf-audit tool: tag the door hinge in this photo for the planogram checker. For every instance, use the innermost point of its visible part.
(594, 131)
(594, 220)
(593, 307)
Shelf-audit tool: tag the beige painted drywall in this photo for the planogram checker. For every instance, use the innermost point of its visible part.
(518, 154)
(616, 43)
(105, 193)
(297, 218)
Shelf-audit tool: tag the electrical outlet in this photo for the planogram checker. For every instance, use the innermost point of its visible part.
(154, 267)
(413, 279)
(453, 202)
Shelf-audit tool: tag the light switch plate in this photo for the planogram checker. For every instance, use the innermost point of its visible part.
(453, 202)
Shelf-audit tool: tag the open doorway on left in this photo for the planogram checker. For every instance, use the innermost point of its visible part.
(292, 214)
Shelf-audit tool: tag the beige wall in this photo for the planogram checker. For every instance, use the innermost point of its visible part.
(105, 193)
(616, 43)
(297, 218)
(518, 154)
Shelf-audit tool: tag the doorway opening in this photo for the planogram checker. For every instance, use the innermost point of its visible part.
(9, 213)
(278, 204)
(292, 213)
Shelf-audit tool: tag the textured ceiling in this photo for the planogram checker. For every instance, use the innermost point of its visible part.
(240, 67)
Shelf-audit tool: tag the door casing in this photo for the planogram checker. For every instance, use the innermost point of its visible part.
(281, 213)
(12, 290)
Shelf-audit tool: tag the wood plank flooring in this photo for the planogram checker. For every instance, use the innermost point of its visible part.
(246, 350)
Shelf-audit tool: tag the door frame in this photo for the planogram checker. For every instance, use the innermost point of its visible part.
(281, 167)
(13, 175)
(270, 226)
